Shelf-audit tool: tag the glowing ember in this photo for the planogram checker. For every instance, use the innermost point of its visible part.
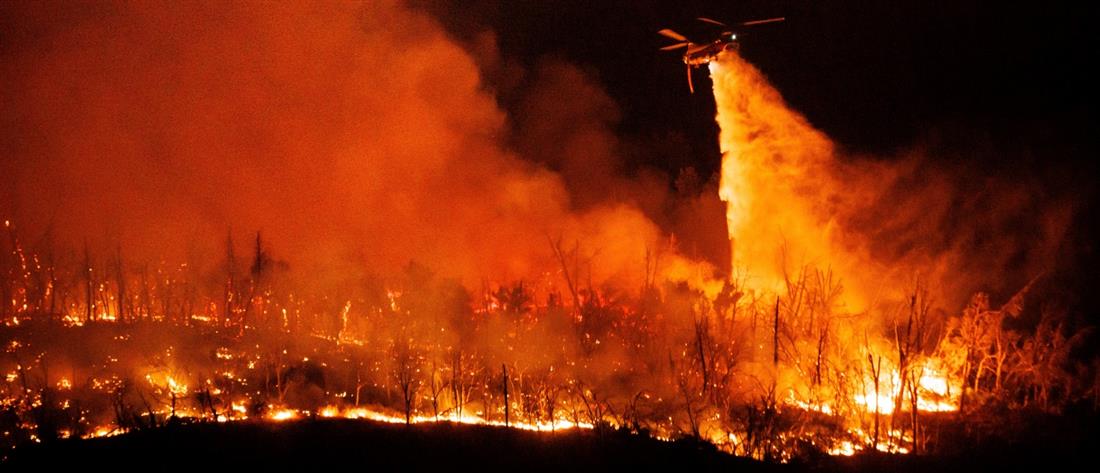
(282, 414)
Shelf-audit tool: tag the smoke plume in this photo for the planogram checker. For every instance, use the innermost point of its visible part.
(355, 137)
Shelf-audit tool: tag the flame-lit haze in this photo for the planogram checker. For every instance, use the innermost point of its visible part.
(352, 135)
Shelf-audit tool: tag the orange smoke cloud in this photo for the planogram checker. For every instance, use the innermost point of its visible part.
(353, 136)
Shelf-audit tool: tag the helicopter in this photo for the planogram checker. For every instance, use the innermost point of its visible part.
(698, 54)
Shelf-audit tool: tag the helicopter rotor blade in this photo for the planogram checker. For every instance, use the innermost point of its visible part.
(713, 22)
(761, 22)
(676, 46)
(672, 34)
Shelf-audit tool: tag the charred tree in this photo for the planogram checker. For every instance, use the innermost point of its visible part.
(229, 298)
(121, 283)
(507, 404)
(89, 285)
(405, 375)
(775, 336)
(875, 364)
(702, 341)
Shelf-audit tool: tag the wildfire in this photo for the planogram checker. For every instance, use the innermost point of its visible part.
(806, 343)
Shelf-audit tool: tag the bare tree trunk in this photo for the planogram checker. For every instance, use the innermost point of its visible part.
(230, 281)
(775, 336)
(121, 285)
(702, 337)
(823, 336)
(89, 284)
(555, 245)
(145, 303)
(876, 371)
(53, 286)
(904, 345)
(456, 382)
(437, 389)
(504, 369)
(914, 393)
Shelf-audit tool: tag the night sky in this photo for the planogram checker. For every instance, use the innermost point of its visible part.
(878, 77)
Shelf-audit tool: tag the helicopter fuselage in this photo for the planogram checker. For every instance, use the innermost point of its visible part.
(701, 54)
(696, 55)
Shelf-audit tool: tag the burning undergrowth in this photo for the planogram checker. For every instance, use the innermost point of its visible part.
(759, 375)
(413, 267)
